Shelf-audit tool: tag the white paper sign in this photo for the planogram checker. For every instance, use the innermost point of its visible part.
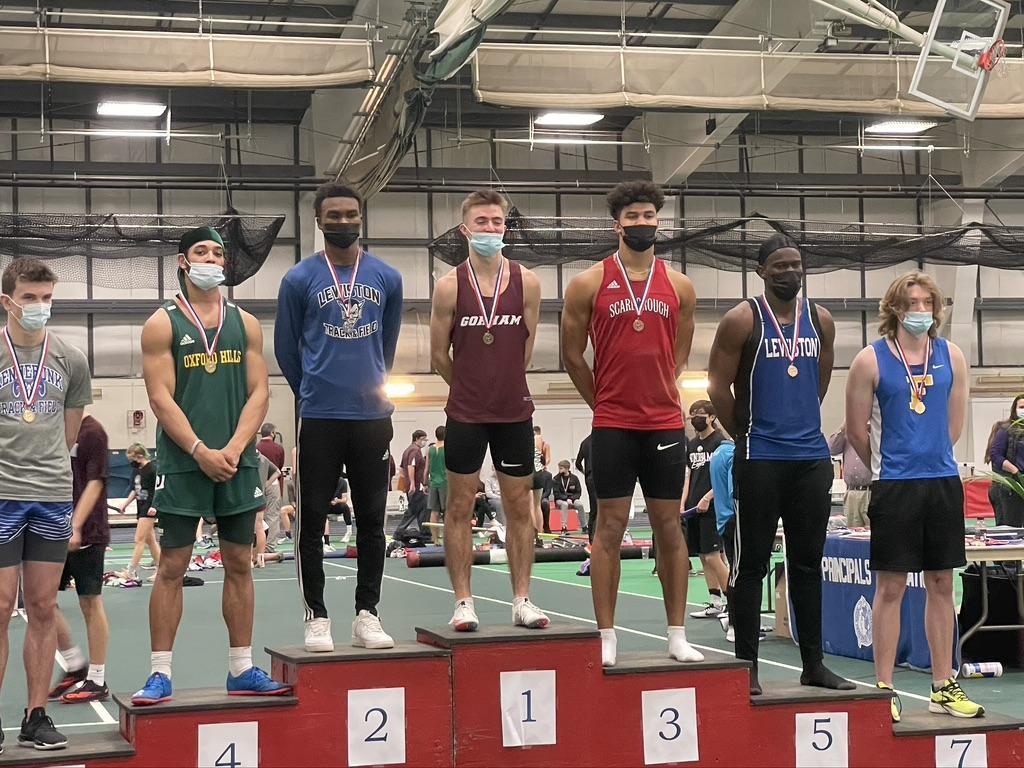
(528, 708)
(961, 750)
(670, 726)
(822, 740)
(376, 726)
(229, 745)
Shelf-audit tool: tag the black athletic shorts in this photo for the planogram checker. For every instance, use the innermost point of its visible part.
(511, 447)
(85, 566)
(621, 457)
(702, 534)
(542, 482)
(917, 525)
(728, 537)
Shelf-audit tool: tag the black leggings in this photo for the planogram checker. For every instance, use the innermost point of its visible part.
(798, 492)
(363, 448)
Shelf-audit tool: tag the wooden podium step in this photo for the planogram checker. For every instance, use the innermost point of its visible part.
(95, 749)
(206, 726)
(383, 707)
(523, 697)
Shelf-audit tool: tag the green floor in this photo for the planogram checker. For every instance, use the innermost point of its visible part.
(411, 597)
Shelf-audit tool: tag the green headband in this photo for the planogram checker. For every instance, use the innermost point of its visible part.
(198, 235)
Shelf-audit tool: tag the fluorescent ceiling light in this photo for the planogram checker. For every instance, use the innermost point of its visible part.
(901, 127)
(568, 119)
(130, 109)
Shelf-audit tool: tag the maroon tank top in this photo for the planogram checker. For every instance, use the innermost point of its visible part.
(489, 380)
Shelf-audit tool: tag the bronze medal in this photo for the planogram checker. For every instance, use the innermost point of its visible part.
(638, 325)
(211, 364)
(793, 371)
(488, 338)
(919, 407)
(28, 416)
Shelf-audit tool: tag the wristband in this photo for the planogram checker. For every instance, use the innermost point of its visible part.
(196, 444)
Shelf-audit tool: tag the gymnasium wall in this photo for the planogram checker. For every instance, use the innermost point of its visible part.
(398, 226)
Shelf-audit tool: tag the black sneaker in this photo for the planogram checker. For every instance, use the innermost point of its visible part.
(85, 692)
(38, 731)
(69, 681)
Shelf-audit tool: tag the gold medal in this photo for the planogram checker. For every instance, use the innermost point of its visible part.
(211, 364)
(918, 407)
(638, 325)
(28, 416)
(488, 337)
(793, 371)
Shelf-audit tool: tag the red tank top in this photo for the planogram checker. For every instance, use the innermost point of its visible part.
(635, 371)
(489, 380)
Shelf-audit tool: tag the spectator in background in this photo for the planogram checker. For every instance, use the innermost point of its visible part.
(269, 447)
(84, 680)
(1007, 457)
(857, 478)
(584, 465)
(438, 481)
(541, 479)
(144, 486)
(492, 492)
(414, 474)
(342, 505)
(725, 516)
(567, 491)
(482, 509)
(270, 475)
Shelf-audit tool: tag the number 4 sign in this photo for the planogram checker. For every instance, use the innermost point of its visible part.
(822, 740)
(376, 726)
(229, 745)
(961, 750)
(670, 726)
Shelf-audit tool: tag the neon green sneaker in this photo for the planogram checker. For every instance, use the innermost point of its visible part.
(895, 705)
(952, 700)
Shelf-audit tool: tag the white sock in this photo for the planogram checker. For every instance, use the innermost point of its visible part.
(679, 649)
(74, 658)
(609, 646)
(239, 660)
(160, 661)
(96, 673)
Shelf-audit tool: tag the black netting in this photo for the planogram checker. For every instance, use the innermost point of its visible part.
(728, 244)
(126, 251)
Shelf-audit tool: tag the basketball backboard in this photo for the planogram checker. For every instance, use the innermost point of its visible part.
(957, 54)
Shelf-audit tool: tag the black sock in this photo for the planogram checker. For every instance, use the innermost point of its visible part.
(755, 684)
(820, 676)
(327, 539)
(715, 592)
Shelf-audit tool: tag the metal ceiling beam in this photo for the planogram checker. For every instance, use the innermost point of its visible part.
(570, 21)
(330, 10)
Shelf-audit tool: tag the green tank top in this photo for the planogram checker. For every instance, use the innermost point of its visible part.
(435, 463)
(211, 401)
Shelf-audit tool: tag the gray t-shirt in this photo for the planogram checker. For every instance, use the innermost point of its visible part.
(35, 464)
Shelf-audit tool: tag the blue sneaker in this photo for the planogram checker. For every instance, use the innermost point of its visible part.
(157, 688)
(255, 682)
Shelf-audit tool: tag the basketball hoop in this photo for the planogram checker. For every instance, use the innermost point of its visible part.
(993, 57)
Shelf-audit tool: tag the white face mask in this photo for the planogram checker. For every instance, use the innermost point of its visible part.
(33, 316)
(205, 276)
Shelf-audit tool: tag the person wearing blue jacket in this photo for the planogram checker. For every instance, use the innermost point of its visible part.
(725, 515)
(339, 312)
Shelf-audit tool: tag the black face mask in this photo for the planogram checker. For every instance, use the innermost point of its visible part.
(786, 285)
(341, 235)
(700, 423)
(640, 237)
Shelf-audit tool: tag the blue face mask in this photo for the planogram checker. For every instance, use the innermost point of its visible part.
(918, 323)
(33, 316)
(486, 244)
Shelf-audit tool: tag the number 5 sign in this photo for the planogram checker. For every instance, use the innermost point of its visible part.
(670, 726)
(822, 740)
(376, 726)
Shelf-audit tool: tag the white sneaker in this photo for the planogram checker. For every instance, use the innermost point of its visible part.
(368, 633)
(526, 614)
(730, 635)
(347, 537)
(328, 548)
(709, 611)
(464, 618)
(318, 636)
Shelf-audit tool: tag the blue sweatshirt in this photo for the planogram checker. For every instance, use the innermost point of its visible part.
(337, 367)
(721, 483)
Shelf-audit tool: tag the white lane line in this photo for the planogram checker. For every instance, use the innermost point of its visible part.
(641, 633)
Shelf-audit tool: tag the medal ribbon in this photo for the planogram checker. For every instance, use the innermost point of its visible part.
(186, 305)
(637, 305)
(789, 349)
(917, 389)
(28, 397)
(347, 300)
(473, 281)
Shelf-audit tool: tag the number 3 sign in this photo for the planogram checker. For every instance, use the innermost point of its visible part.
(670, 726)
(376, 726)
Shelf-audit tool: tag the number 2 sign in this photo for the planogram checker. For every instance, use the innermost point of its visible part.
(376, 726)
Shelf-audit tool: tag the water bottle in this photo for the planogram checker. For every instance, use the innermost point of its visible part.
(982, 669)
(980, 531)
